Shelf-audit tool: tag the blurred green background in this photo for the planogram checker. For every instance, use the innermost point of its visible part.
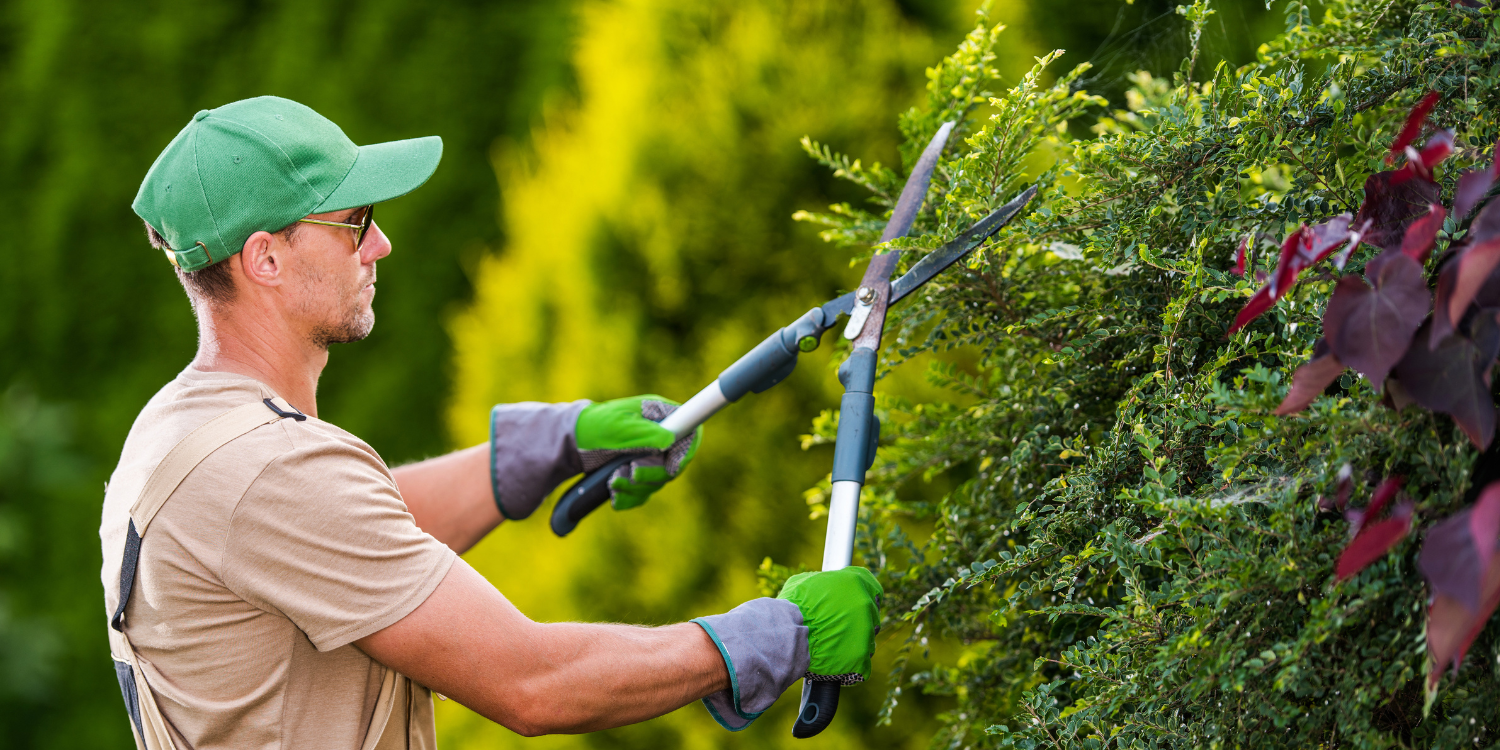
(612, 216)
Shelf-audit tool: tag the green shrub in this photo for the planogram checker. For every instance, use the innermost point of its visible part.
(1135, 554)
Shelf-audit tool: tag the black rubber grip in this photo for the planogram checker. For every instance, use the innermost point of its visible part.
(583, 497)
(820, 701)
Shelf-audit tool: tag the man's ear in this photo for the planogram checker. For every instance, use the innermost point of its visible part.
(261, 259)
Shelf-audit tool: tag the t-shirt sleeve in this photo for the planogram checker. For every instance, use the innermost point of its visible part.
(323, 538)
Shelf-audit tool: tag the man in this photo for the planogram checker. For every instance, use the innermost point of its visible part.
(272, 584)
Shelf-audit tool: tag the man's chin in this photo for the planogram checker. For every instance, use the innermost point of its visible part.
(347, 332)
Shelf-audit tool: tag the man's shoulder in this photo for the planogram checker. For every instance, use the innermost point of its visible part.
(300, 447)
(195, 397)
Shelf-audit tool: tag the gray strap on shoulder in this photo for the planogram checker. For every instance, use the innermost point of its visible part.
(178, 463)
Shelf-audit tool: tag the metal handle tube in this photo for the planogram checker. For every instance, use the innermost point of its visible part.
(843, 514)
(764, 366)
(696, 411)
(852, 452)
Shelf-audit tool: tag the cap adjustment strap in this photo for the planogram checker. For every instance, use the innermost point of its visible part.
(191, 259)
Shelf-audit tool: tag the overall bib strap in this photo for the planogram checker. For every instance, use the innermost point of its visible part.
(146, 720)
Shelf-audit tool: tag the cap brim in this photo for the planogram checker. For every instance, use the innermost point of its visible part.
(383, 171)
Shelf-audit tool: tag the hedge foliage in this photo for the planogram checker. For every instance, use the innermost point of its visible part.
(1136, 556)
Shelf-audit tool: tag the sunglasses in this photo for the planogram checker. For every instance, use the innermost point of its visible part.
(361, 228)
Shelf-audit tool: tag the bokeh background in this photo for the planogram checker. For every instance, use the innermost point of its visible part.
(612, 216)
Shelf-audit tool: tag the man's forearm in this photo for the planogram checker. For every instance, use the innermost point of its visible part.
(469, 643)
(460, 497)
(602, 675)
(450, 496)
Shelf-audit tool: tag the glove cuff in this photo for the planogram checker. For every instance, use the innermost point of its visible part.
(764, 645)
(532, 450)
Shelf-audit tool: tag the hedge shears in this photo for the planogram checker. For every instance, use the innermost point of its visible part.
(771, 361)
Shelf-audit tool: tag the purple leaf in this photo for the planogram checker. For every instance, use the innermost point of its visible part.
(1309, 381)
(1443, 322)
(1390, 205)
(1260, 302)
(1319, 241)
(1344, 487)
(1472, 187)
(1458, 550)
(1386, 492)
(1287, 268)
(1454, 378)
(1438, 148)
(1302, 248)
(1371, 328)
(1413, 126)
(1488, 295)
(1394, 199)
(1475, 260)
(1451, 627)
(1372, 543)
(1422, 234)
(1394, 395)
(1357, 231)
(1463, 572)
(1371, 539)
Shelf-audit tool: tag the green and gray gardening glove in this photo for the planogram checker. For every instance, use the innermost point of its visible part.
(628, 427)
(534, 447)
(821, 627)
(841, 609)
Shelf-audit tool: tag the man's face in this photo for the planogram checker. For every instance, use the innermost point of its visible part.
(333, 284)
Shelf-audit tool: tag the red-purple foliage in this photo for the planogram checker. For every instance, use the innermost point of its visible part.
(1413, 125)
(1422, 234)
(1310, 379)
(1394, 201)
(1370, 324)
(1473, 185)
(1475, 260)
(1454, 378)
(1259, 302)
(1369, 327)
(1458, 559)
(1344, 487)
(1301, 249)
(1371, 539)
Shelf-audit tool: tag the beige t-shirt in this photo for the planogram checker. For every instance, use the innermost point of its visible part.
(271, 557)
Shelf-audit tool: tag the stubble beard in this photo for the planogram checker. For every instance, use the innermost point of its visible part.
(352, 328)
(355, 324)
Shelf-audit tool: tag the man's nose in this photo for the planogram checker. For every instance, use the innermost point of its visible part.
(375, 246)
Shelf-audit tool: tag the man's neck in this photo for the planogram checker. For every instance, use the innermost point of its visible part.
(246, 345)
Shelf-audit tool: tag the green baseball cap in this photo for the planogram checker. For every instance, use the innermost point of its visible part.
(259, 165)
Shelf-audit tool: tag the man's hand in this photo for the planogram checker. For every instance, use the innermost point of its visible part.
(535, 447)
(841, 609)
(821, 627)
(628, 427)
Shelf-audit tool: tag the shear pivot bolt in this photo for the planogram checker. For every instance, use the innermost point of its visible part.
(865, 295)
(807, 343)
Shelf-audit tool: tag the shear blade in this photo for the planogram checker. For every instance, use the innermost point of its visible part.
(940, 259)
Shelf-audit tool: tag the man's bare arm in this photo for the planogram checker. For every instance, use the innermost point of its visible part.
(471, 644)
(450, 496)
